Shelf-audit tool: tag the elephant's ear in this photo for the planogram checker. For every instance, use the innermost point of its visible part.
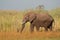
(32, 17)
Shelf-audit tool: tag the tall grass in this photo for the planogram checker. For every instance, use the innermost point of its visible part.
(11, 20)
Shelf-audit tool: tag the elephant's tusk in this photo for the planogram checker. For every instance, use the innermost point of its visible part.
(22, 22)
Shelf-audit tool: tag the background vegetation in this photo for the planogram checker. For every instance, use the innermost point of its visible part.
(10, 22)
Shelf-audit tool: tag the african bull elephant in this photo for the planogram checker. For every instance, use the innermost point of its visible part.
(38, 20)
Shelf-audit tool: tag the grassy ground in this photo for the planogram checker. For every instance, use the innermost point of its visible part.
(28, 36)
(11, 20)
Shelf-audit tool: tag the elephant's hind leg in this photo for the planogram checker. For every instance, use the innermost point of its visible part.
(50, 27)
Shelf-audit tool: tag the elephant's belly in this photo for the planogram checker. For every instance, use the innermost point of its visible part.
(41, 24)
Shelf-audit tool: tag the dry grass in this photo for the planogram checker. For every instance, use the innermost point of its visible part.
(29, 36)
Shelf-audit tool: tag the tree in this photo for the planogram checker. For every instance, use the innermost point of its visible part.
(40, 7)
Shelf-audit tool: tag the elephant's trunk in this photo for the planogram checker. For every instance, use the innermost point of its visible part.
(23, 25)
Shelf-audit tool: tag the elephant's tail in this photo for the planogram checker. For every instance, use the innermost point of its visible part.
(54, 24)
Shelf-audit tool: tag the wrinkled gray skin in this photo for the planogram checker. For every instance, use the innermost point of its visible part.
(38, 20)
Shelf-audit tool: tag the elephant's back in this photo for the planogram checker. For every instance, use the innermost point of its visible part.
(44, 16)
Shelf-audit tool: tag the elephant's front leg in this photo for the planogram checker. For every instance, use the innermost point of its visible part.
(31, 28)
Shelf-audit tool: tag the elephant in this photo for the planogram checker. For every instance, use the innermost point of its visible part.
(38, 20)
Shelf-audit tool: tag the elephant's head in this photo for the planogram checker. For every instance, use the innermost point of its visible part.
(29, 17)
